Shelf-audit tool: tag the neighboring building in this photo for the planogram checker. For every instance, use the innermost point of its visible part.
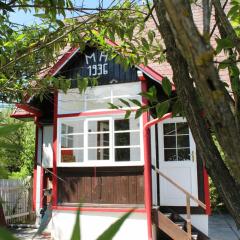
(90, 154)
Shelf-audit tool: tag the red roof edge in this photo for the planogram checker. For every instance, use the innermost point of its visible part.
(25, 111)
(31, 110)
(63, 60)
(18, 115)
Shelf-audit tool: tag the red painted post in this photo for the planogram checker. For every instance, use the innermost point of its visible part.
(34, 197)
(206, 192)
(147, 170)
(54, 181)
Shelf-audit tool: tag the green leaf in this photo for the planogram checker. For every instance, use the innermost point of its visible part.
(151, 35)
(112, 106)
(167, 86)
(127, 114)
(20, 37)
(177, 108)
(138, 113)
(9, 129)
(76, 234)
(41, 15)
(224, 64)
(114, 228)
(224, 43)
(162, 108)
(145, 43)
(151, 94)
(4, 6)
(6, 235)
(125, 102)
(136, 102)
(60, 23)
(9, 146)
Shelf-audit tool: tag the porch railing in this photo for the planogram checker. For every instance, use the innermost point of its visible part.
(188, 195)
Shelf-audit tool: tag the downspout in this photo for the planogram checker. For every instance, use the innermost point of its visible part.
(147, 170)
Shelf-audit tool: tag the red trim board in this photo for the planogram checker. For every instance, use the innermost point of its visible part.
(98, 209)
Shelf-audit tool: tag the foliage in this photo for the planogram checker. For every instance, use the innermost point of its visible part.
(17, 147)
(216, 202)
(6, 235)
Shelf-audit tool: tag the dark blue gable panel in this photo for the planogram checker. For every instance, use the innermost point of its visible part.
(95, 63)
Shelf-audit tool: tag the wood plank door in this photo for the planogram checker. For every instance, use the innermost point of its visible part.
(177, 159)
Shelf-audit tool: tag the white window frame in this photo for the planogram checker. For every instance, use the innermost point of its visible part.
(111, 162)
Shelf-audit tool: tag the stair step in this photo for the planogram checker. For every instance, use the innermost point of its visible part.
(169, 215)
(180, 224)
(194, 236)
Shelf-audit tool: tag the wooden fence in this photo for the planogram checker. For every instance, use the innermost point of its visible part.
(16, 198)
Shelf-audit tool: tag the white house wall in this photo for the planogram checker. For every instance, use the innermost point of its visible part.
(47, 150)
(93, 224)
(200, 221)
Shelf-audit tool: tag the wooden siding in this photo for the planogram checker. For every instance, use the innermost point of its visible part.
(78, 67)
(103, 185)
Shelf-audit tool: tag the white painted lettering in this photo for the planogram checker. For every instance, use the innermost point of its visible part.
(90, 57)
(105, 68)
(103, 55)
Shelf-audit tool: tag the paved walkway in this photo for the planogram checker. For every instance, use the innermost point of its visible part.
(222, 227)
(27, 234)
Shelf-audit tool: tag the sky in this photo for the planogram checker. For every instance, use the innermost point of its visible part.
(28, 18)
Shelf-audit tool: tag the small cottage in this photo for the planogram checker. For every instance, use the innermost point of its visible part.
(90, 154)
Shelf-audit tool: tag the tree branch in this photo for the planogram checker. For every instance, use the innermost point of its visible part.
(226, 24)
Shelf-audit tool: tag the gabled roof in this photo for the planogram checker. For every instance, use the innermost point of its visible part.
(154, 70)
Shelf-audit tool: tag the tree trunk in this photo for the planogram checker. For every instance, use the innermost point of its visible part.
(214, 97)
(227, 187)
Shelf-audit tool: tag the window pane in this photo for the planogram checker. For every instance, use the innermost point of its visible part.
(71, 155)
(122, 139)
(121, 124)
(184, 154)
(72, 127)
(98, 126)
(169, 128)
(122, 154)
(98, 140)
(72, 141)
(98, 104)
(183, 141)
(170, 155)
(98, 154)
(64, 128)
(169, 142)
(182, 128)
(135, 154)
(127, 139)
